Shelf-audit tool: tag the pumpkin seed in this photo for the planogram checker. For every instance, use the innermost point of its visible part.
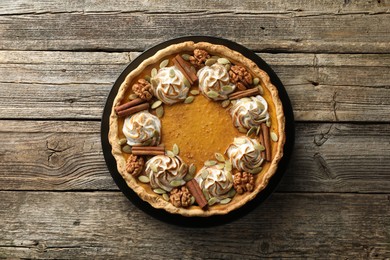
(242, 130)
(194, 92)
(261, 91)
(189, 100)
(144, 179)
(273, 136)
(268, 123)
(220, 166)
(165, 197)
(164, 63)
(147, 78)
(126, 149)
(160, 112)
(225, 201)
(172, 73)
(210, 62)
(219, 157)
(233, 101)
(227, 88)
(192, 169)
(183, 168)
(251, 131)
(153, 73)
(153, 167)
(259, 147)
(122, 141)
(188, 177)
(154, 82)
(228, 166)
(170, 153)
(212, 201)
(212, 94)
(204, 174)
(176, 183)
(223, 61)
(255, 170)
(133, 96)
(225, 103)
(210, 163)
(175, 149)
(258, 130)
(206, 194)
(231, 193)
(215, 57)
(186, 83)
(192, 200)
(256, 81)
(186, 56)
(159, 191)
(156, 104)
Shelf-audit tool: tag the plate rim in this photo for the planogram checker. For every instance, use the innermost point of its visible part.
(214, 220)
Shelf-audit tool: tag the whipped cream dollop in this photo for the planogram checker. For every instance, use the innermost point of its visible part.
(249, 112)
(245, 154)
(142, 129)
(166, 172)
(215, 79)
(169, 85)
(216, 183)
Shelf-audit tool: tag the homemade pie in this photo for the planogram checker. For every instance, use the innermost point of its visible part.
(197, 129)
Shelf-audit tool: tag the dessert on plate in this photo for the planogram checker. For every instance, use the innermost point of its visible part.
(197, 129)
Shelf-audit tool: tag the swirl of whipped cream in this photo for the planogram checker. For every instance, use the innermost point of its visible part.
(162, 170)
(244, 154)
(169, 85)
(249, 112)
(216, 183)
(215, 78)
(142, 129)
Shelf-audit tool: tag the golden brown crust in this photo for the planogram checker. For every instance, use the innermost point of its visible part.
(261, 181)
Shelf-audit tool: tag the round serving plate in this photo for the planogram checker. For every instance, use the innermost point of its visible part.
(176, 219)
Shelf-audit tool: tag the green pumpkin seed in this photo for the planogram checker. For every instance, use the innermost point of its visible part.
(159, 191)
(156, 104)
(228, 166)
(160, 112)
(165, 197)
(233, 102)
(225, 201)
(227, 88)
(219, 157)
(192, 169)
(206, 194)
(220, 166)
(227, 67)
(122, 141)
(153, 73)
(255, 170)
(212, 201)
(147, 78)
(194, 92)
(153, 167)
(186, 56)
(176, 183)
(183, 168)
(133, 96)
(204, 174)
(256, 81)
(192, 200)
(231, 193)
(144, 179)
(210, 62)
(164, 63)
(261, 91)
(215, 57)
(258, 130)
(242, 130)
(170, 153)
(210, 163)
(259, 147)
(172, 73)
(154, 82)
(212, 94)
(126, 149)
(189, 100)
(188, 177)
(223, 61)
(186, 83)
(268, 122)
(273, 136)
(251, 131)
(175, 149)
(225, 103)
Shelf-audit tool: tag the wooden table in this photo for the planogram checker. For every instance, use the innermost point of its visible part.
(59, 60)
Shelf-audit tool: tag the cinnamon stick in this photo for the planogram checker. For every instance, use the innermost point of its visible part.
(129, 104)
(148, 150)
(244, 93)
(261, 139)
(195, 190)
(185, 68)
(133, 110)
(267, 142)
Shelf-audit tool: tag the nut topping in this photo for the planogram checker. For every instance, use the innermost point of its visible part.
(243, 182)
(199, 58)
(180, 197)
(143, 89)
(135, 165)
(240, 76)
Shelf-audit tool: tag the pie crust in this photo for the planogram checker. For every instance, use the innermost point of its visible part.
(276, 117)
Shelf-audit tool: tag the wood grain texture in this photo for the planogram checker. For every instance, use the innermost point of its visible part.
(105, 225)
(67, 155)
(322, 87)
(138, 29)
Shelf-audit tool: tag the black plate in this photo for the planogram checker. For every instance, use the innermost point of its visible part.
(199, 221)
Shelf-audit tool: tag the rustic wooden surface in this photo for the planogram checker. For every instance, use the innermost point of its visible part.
(58, 61)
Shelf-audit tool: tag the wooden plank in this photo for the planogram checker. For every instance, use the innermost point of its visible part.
(322, 87)
(297, 7)
(67, 155)
(52, 225)
(136, 30)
